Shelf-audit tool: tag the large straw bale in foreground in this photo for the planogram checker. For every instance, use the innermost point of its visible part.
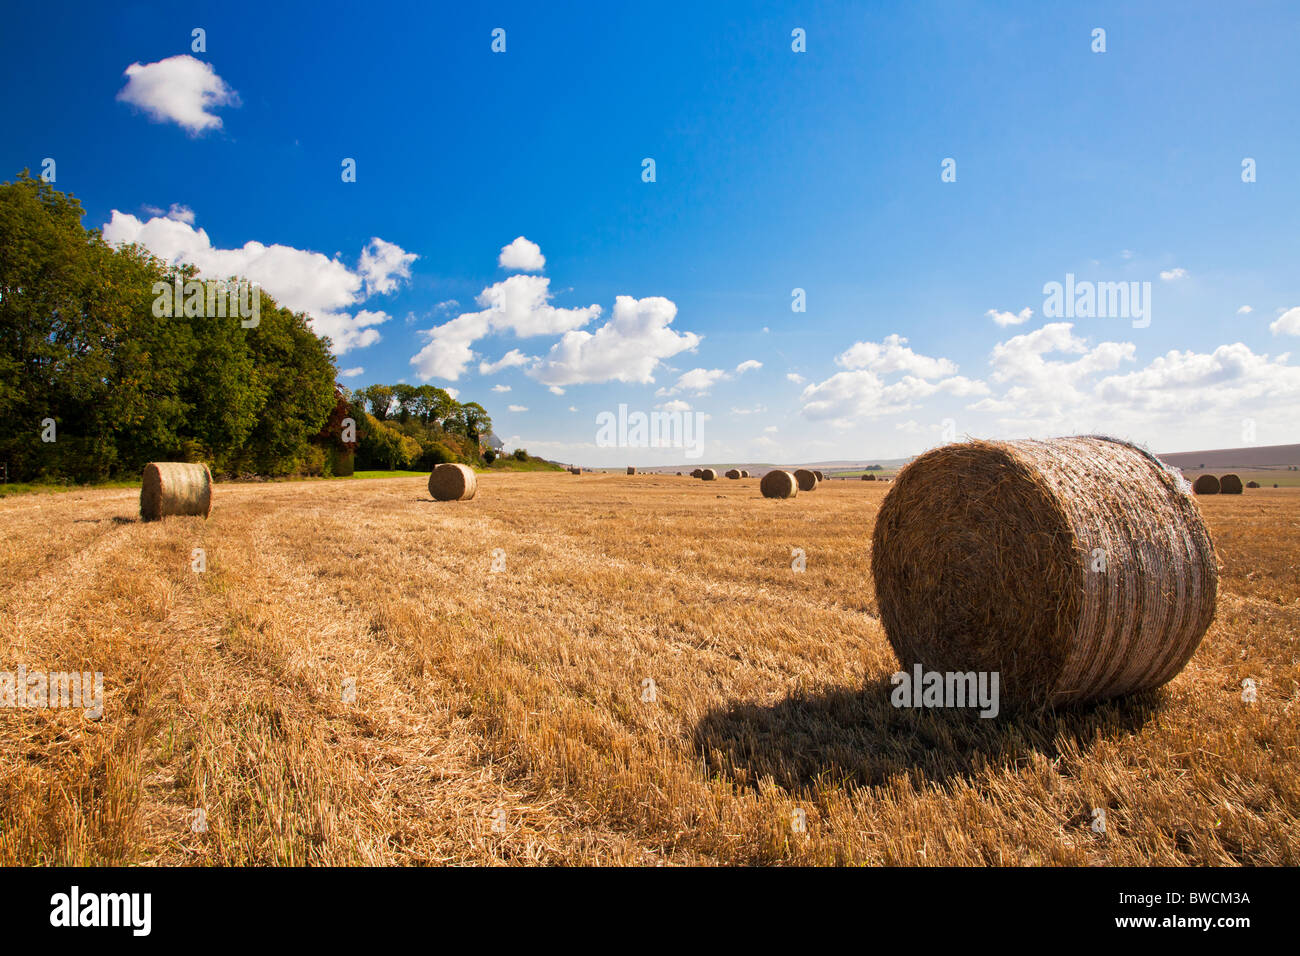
(175, 488)
(453, 482)
(807, 479)
(1230, 485)
(1078, 568)
(779, 484)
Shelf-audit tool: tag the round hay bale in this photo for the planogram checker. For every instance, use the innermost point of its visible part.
(1252, 484)
(1206, 485)
(733, 473)
(1230, 485)
(868, 477)
(453, 482)
(631, 470)
(1078, 569)
(745, 474)
(820, 476)
(708, 474)
(175, 488)
(807, 479)
(779, 484)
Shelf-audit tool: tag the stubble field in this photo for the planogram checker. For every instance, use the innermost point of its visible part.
(350, 682)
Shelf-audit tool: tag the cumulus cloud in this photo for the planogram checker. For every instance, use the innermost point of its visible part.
(500, 388)
(747, 366)
(1245, 310)
(383, 266)
(520, 305)
(352, 372)
(863, 393)
(628, 348)
(179, 89)
(893, 355)
(697, 380)
(1171, 275)
(1010, 318)
(511, 359)
(1288, 323)
(676, 405)
(795, 377)
(300, 280)
(522, 256)
(517, 408)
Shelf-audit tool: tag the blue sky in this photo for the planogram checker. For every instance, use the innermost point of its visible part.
(775, 170)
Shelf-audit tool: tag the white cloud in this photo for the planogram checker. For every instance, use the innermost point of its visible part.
(300, 280)
(1010, 318)
(556, 390)
(179, 89)
(627, 348)
(893, 355)
(795, 377)
(519, 304)
(697, 380)
(676, 405)
(453, 392)
(500, 388)
(522, 256)
(352, 372)
(518, 408)
(1288, 323)
(1170, 275)
(573, 408)
(1245, 310)
(181, 213)
(771, 429)
(748, 365)
(756, 410)
(383, 265)
(511, 359)
(862, 392)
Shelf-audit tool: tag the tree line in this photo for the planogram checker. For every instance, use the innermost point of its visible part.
(96, 380)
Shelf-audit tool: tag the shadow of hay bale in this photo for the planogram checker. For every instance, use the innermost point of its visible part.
(857, 736)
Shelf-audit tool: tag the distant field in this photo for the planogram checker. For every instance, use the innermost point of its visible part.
(506, 717)
(1283, 478)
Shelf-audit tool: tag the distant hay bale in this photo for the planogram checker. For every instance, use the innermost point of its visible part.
(1252, 484)
(1206, 485)
(708, 474)
(733, 473)
(697, 472)
(1078, 569)
(868, 477)
(175, 488)
(453, 482)
(807, 479)
(1230, 485)
(745, 474)
(820, 476)
(779, 484)
(631, 470)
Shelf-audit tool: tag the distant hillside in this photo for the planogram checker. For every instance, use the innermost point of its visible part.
(1260, 456)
